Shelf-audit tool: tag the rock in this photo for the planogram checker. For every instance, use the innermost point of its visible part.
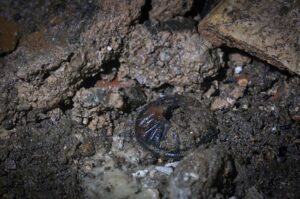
(116, 101)
(252, 193)
(55, 57)
(91, 98)
(131, 93)
(55, 115)
(97, 121)
(165, 170)
(87, 149)
(199, 174)
(229, 94)
(238, 59)
(134, 97)
(296, 118)
(220, 103)
(125, 149)
(10, 165)
(8, 35)
(167, 56)
(268, 30)
(166, 9)
(90, 104)
(140, 173)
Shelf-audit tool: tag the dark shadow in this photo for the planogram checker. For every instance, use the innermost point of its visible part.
(107, 68)
(145, 11)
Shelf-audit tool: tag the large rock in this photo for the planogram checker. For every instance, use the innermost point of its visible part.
(170, 53)
(205, 173)
(268, 29)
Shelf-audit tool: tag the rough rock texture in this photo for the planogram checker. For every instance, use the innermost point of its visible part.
(179, 56)
(49, 64)
(167, 9)
(201, 173)
(90, 105)
(268, 30)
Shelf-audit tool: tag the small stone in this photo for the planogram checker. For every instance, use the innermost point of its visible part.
(239, 60)
(164, 56)
(165, 170)
(85, 121)
(10, 165)
(198, 174)
(8, 35)
(134, 97)
(212, 90)
(87, 149)
(237, 92)
(5, 134)
(116, 100)
(172, 164)
(296, 118)
(243, 82)
(219, 103)
(151, 193)
(118, 142)
(252, 193)
(140, 173)
(99, 122)
(238, 70)
(90, 98)
(109, 48)
(245, 106)
(55, 114)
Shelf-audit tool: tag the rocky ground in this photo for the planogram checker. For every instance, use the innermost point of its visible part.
(74, 75)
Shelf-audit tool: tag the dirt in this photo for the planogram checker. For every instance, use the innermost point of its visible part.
(73, 86)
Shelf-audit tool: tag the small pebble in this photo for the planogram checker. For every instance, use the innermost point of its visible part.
(165, 170)
(109, 48)
(10, 165)
(172, 164)
(238, 70)
(140, 173)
